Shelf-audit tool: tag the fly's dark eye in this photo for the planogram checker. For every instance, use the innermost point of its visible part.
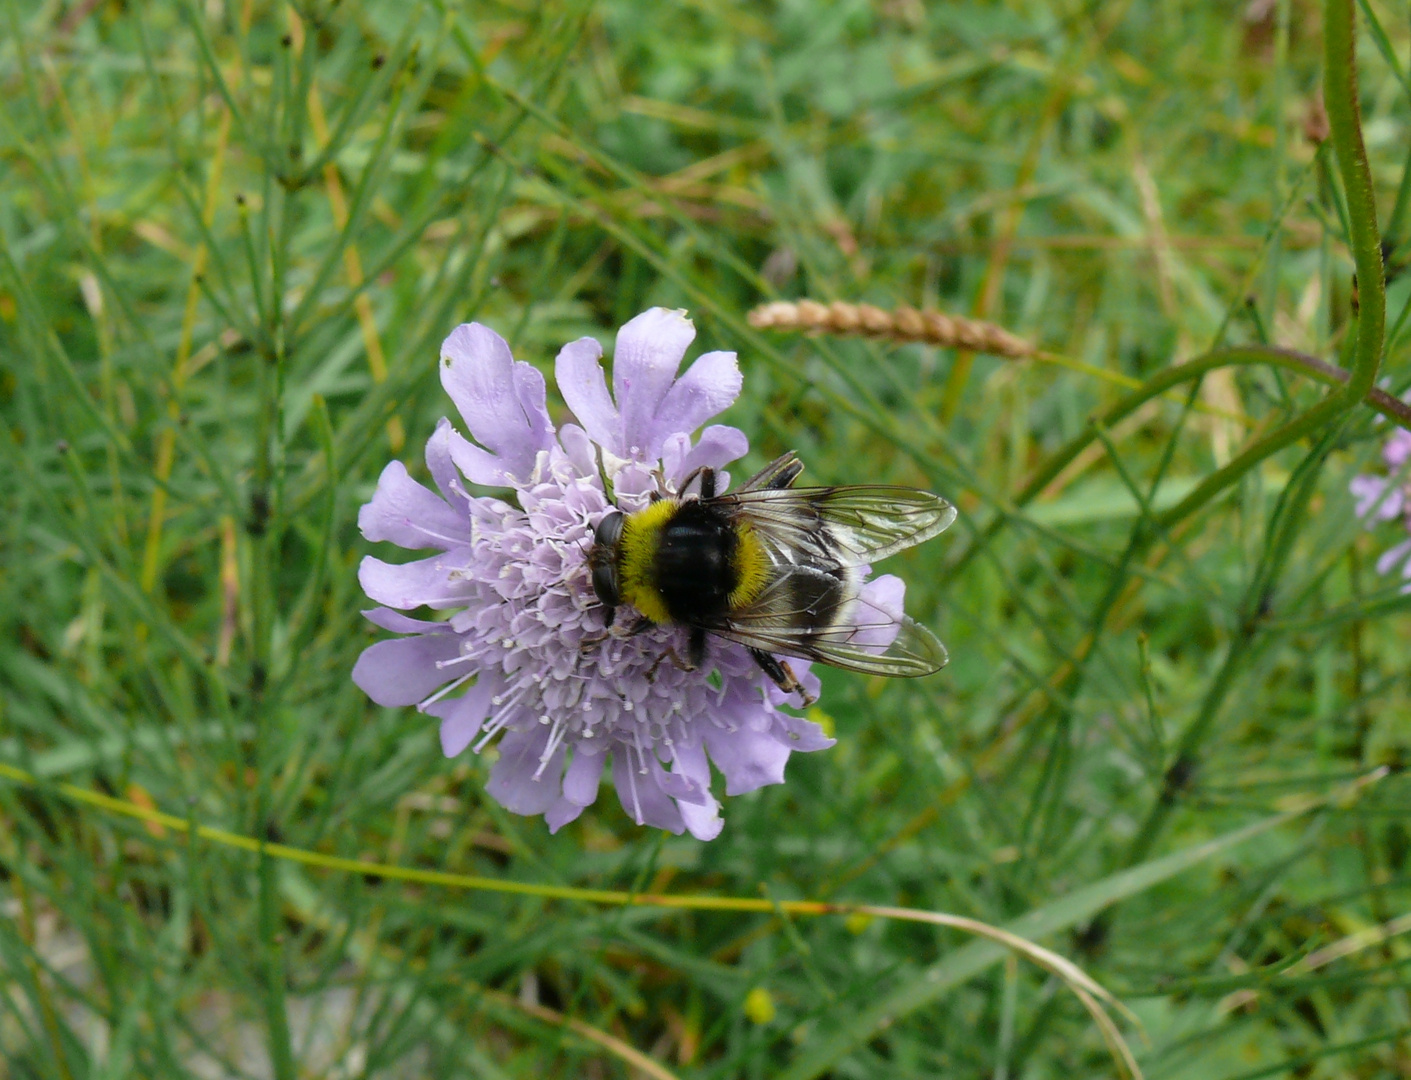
(609, 530)
(603, 558)
(605, 583)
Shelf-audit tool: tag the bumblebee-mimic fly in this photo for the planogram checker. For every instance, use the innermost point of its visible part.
(772, 567)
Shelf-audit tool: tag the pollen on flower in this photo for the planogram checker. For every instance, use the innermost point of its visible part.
(518, 652)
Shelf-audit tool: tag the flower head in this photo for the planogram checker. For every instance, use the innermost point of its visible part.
(1388, 498)
(521, 654)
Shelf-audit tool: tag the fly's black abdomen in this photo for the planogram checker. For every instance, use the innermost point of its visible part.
(816, 600)
(695, 571)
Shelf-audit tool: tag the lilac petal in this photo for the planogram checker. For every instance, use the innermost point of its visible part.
(1397, 448)
(512, 783)
(580, 782)
(748, 759)
(641, 794)
(886, 593)
(1366, 490)
(579, 375)
(439, 463)
(684, 788)
(529, 387)
(1394, 557)
(402, 624)
(674, 449)
(477, 371)
(479, 466)
(1373, 499)
(403, 671)
(409, 585)
(709, 387)
(462, 717)
(579, 449)
(717, 447)
(409, 515)
(496, 396)
(648, 352)
(880, 611)
(703, 821)
(561, 813)
(633, 485)
(807, 679)
(799, 734)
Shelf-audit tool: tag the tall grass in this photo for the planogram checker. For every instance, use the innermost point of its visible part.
(232, 235)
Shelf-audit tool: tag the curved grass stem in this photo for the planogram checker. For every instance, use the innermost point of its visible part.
(1094, 998)
(1356, 386)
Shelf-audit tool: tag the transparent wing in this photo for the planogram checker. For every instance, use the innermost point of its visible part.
(846, 526)
(817, 615)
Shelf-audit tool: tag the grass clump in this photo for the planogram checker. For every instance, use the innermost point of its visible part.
(232, 235)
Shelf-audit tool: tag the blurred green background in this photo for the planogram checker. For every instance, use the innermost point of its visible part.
(232, 236)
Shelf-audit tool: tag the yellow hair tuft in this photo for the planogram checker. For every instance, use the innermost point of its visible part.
(751, 567)
(637, 550)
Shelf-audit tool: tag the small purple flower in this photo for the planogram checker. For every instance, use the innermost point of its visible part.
(1398, 557)
(517, 656)
(1385, 498)
(1397, 448)
(1378, 499)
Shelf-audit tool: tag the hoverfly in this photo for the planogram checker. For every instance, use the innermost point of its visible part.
(772, 567)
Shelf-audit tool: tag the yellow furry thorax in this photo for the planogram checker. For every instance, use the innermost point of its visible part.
(636, 559)
(636, 566)
(751, 567)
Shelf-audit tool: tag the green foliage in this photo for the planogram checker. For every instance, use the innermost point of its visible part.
(232, 235)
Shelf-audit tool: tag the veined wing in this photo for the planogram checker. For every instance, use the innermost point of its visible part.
(814, 615)
(843, 525)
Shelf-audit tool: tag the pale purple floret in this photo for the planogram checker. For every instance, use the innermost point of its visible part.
(1385, 498)
(515, 654)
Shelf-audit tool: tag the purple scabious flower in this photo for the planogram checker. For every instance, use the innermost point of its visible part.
(517, 656)
(1388, 498)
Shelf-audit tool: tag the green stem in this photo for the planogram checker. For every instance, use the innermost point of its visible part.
(1340, 99)
(1357, 385)
(1392, 408)
(1340, 96)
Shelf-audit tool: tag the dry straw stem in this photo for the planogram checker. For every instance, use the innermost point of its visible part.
(1353, 943)
(905, 324)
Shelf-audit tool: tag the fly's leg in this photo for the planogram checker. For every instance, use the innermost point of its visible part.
(612, 629)
(598, 637)
(777, 475)
(595, 638)
(676, 662)
(783, 676)
(695, 647)
(707, 475)
(695, 654)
